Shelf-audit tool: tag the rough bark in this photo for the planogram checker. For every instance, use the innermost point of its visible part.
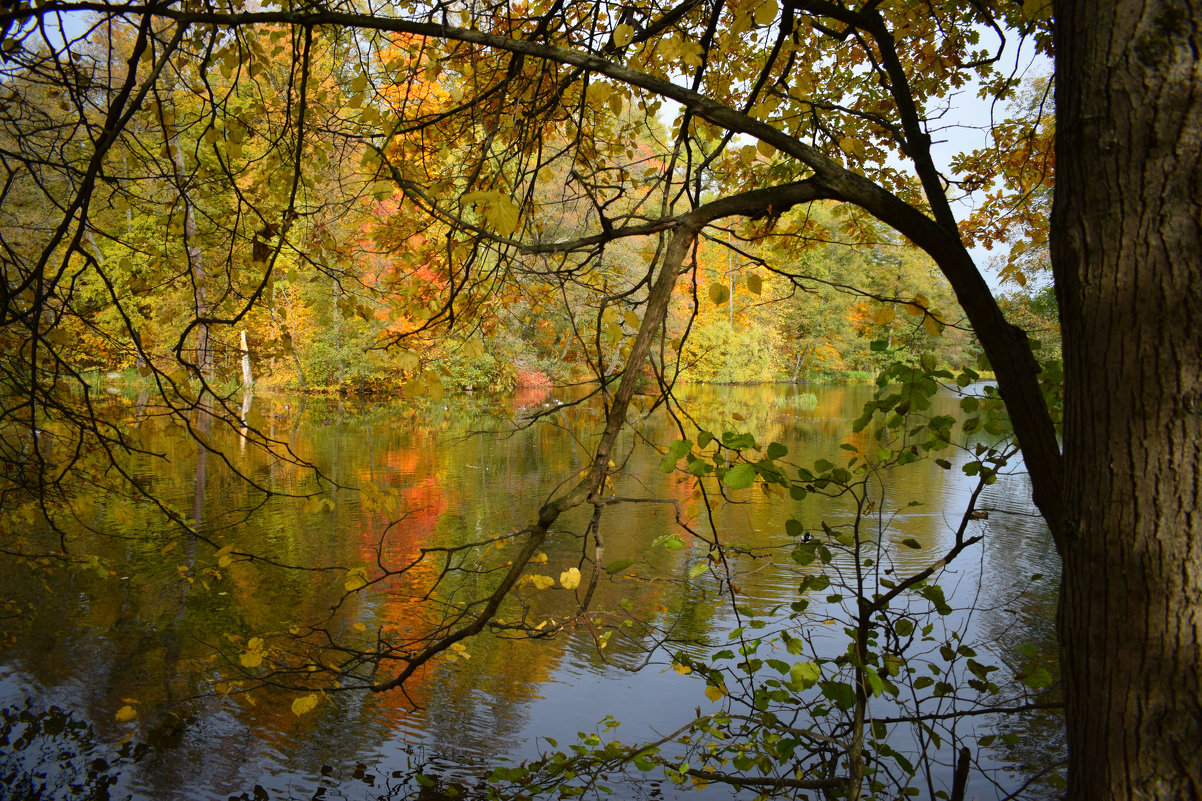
(1126, 239)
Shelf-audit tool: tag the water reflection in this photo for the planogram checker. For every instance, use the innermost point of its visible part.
(161, 624)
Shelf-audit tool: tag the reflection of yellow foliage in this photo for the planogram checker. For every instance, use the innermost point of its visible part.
(252, 657)
(355, 579)
(304, 704)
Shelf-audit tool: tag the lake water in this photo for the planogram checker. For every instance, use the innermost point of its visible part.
(163, 630)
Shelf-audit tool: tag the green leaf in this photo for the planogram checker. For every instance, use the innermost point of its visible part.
(841, 693)
(676, 451)
(670, 542)
(741, 476)
(804, 675)
(755, 284)
(777, 451)
(1038, 679)
(680, 448)
(719, 294)
(617, 566)
(875, 683)
(910, 542)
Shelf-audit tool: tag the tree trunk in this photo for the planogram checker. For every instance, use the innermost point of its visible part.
(1126, 239)
(203, 354)
(803, 359)
(248, 378)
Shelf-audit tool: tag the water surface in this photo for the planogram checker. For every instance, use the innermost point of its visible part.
(162, 630)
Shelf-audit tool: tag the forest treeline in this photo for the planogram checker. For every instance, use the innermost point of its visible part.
(332, 277)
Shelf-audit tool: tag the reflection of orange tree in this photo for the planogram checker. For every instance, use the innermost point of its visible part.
(418, 595)
(407, 610)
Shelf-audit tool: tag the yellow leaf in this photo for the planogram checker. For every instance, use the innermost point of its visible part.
(126, 714)
(499, 210)
(570, 578)
(765, 13)
(616, 101)
(304, 704)
(719, 294)
(714, 693)
(853, 146)
(251, 659)
(933, 324)
(766, 150)
(631, 319)
(538, 559)
(755, 284)
(613, 332)
(683, 670)
(917, 306)
(355, 578)
(623, 34)
(884, 315)
(503, 215)
(542, 582)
